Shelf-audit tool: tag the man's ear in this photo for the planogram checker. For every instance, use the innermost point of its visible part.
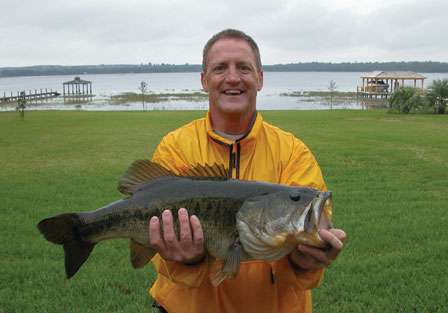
(204, 82)
(260, 81)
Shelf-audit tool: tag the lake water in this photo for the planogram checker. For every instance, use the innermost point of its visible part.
(105, 85)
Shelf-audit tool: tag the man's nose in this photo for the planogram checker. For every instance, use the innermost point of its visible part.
(233, 76)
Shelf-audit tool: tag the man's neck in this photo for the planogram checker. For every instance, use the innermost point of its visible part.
(232, 124)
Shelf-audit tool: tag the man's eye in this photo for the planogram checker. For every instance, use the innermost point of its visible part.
(218, 68)
(245, 69)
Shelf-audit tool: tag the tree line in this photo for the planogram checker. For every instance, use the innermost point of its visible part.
(43, 70)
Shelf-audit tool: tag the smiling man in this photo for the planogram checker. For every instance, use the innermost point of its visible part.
(234, 134)
(232, 77)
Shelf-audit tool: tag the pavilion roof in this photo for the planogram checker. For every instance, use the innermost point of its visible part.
(393, 75)
(77, 80)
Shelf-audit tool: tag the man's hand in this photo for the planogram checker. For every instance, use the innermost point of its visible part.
(188, 248)
(307, 258)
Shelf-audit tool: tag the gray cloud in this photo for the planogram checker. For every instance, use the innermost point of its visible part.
(135, 31)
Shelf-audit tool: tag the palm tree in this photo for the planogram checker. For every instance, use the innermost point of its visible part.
(406, 99)
(438, 95)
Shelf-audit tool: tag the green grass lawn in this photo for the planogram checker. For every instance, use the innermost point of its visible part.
(389, 175)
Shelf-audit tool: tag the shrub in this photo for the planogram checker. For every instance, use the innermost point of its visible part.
(407, 99)
(438, 95)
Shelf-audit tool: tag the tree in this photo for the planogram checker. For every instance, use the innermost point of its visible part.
(332, 87)
(438, 95)
(143, 89)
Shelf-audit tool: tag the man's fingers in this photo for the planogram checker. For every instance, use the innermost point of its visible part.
(169, 235)
(319, 255)
(198, 235)
(332, 238)
(162, 236)
(339, 233)
(184, 225)
(155, 238)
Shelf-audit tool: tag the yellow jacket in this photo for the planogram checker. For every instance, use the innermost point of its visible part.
(268, 154)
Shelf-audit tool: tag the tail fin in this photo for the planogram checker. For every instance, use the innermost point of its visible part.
(63, 230)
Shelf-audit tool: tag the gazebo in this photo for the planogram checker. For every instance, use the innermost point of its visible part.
(382, 83)
(77, 88)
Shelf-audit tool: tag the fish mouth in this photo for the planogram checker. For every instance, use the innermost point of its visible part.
(316, 218)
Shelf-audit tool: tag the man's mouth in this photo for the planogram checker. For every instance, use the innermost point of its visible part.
(233, 92)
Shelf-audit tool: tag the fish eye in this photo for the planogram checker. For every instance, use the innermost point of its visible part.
(294, 195)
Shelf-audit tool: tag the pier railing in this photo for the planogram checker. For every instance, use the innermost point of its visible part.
(37, 95)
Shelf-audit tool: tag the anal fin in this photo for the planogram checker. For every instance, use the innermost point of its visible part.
(140, 255)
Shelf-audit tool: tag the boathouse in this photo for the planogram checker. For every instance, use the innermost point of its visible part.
(77, 88)
(381, 83)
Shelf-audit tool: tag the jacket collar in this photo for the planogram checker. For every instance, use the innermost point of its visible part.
(251, 134)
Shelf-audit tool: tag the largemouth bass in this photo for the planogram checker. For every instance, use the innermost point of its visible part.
(241, 220)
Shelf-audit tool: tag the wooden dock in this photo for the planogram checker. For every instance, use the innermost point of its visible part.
(37, 95)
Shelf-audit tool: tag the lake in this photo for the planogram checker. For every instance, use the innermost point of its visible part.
(105, 85)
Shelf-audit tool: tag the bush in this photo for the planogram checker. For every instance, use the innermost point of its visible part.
(438, 96)
(408, 99)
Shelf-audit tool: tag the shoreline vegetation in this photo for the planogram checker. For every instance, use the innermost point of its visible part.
(127, 97)
(46, 70)
(330, 97)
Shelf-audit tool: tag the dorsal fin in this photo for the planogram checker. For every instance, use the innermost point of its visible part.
(140, 172)
(143, 171)
(217, 171)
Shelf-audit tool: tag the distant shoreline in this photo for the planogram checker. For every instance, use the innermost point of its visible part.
(50, 70)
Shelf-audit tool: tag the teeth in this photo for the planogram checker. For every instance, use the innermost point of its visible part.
(232, 92)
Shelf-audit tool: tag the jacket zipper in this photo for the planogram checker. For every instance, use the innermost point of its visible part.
(234, 159)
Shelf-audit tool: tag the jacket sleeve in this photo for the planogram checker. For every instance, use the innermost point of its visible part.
(188, 275)
(301, 169)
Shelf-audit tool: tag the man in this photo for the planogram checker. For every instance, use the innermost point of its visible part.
(234, 134)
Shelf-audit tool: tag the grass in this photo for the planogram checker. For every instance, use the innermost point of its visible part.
(388, 174)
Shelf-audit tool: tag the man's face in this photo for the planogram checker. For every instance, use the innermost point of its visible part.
(231, 77)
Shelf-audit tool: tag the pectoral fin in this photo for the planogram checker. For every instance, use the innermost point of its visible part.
(140, 255)
(231, 264)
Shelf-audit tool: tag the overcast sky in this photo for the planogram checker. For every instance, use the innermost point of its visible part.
(36, 32)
